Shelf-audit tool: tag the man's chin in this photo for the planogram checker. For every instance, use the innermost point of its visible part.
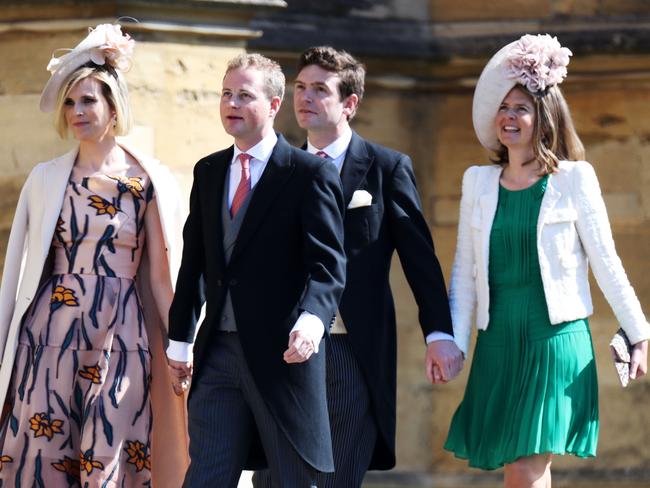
(233, 130)
(306, 124)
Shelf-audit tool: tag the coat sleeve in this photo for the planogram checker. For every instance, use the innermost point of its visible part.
(596, 238)
(322, 223)
(462, 291)
(14, 259)
(189, 295)
(410, 233)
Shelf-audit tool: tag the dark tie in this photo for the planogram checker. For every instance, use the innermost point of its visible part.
(244, 187)
(323, 154)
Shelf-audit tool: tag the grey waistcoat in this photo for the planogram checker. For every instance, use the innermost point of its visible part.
(230, 229)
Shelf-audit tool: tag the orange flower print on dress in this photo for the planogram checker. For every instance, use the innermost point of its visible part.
(41, 424)
(69, 466)
(87, 463)
(92, 373)
(132, 184)
(63, 296)
(138, 455)
(5, 459)
(103, 206)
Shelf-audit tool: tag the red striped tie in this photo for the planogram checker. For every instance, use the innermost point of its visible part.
(244, 187)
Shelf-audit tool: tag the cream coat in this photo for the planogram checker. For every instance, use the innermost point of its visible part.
(572, 231)
(29, 243)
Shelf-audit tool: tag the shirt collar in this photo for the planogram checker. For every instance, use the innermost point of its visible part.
(336, 148)
(260, 151)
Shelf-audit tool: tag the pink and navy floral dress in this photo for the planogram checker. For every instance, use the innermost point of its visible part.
(81, 410)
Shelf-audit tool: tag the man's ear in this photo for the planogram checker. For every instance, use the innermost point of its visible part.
(276, 102)
(350, 105)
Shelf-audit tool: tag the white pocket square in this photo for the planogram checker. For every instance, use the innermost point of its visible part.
(360, 198)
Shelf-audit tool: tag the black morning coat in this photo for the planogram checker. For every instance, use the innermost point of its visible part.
(394, 221)
(288, 258)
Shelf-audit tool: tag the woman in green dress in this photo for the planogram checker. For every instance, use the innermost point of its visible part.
(529, 225)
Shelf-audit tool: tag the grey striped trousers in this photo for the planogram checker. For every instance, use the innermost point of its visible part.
(224, 410)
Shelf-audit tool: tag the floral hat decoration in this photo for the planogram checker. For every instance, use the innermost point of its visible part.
(105, 44)
(536, 62)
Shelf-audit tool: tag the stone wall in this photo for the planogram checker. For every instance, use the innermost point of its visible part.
(418, 101)
(481, 10)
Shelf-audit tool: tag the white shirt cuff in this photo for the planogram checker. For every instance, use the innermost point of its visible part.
(438, 336)
(180, 351)
(312, 326)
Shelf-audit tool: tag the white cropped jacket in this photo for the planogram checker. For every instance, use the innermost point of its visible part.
(572, 230)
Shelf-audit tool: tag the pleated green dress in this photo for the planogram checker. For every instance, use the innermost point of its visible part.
(532, 386)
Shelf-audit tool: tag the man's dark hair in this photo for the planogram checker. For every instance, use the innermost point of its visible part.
(351, 71)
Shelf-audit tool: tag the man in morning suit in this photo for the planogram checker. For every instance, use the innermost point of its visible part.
(383, 214)
(263, 247)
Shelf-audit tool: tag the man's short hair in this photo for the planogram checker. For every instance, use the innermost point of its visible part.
(351, 72)
(274, 80)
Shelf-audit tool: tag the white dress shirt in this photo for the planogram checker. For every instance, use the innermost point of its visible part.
(260, 155)
(337, 151)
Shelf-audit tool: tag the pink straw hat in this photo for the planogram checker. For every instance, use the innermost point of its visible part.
(105, 44)
(535, 62)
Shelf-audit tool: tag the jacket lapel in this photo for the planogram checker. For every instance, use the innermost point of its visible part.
(550, 198)
(276, 174)
(56, 181)
(488, 200)
(355, 167)
(218, 172)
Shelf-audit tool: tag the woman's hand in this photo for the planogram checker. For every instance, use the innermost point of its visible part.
(639, 360)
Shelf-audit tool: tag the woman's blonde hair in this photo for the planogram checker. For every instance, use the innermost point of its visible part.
(554, 135)
(113, 88)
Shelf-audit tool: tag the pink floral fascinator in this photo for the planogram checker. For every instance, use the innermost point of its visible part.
(105, 44)
(536, 62)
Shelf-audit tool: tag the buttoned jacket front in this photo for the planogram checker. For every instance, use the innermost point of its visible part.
(573, 232)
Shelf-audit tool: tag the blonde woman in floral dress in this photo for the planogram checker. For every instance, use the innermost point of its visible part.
(85, 358)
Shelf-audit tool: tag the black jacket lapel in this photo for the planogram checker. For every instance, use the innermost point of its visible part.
(217, 182)
(277, 172)
(356, 165)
